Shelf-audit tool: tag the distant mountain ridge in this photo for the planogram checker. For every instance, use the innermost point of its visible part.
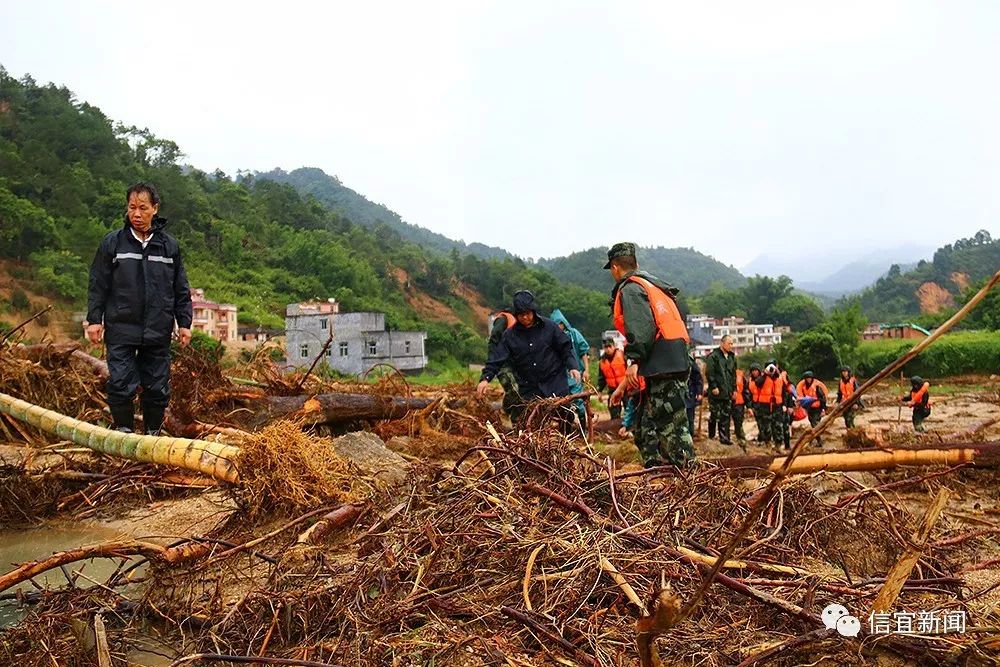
(360, 210)
(935, 286)
(857, 271)
(691, 271)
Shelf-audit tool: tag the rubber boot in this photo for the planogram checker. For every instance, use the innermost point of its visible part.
(152, 418)
(122, 416)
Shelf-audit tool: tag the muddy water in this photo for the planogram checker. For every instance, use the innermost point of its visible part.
(21, 546)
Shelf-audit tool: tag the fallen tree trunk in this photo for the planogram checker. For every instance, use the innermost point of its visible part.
(210, 458)
(34, 352)
(333, 408)
(986, 455)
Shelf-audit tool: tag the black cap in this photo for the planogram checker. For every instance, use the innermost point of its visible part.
(624, 249)
(608, 341)
(808, 374)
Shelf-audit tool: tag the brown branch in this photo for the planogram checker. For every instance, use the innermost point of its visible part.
(249, 660)
(117, 549)
(549, 634)
(25, 323)
(794, 642)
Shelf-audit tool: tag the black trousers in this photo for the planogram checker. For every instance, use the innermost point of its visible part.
(132, 366)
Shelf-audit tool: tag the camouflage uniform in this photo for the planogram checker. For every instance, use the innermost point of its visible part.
(720, 368)
(662, 431)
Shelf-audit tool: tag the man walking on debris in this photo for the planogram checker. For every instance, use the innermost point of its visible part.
(138, 290)
(720, 368)
(581, 348)
(539, 352)
(812, 397)
(919, 399)
(741, 397)
(612, 367)
(646, 313)
(503, 320)
(848, 385)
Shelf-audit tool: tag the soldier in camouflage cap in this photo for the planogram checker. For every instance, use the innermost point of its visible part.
(645, 312)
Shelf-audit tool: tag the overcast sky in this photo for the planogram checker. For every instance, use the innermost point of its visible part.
(737, 128)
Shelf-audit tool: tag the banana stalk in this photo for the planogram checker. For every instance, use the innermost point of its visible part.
(209, 458)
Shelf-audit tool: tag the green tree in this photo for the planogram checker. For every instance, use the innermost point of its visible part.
(845, 324)
(798, 311)
(720, 301)
(815, 351)
(760, 295)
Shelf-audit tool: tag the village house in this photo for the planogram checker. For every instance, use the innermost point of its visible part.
(706, 334)
(218, 320)
(357, 341)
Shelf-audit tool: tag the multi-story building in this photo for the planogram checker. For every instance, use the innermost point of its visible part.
(218, 320)
(357, 341)
(706, 334)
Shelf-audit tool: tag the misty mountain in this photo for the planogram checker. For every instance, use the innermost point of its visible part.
(854, 273)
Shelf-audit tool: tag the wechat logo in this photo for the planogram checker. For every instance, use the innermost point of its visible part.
(835, 617)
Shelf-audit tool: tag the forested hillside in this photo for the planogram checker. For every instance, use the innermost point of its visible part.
(64, 169)
(358, 209)
(685, 268)
(935, 287)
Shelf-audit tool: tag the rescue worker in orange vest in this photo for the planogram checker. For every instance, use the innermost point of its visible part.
(503, 320)
(612, 374)
(812, 396)
(646, 313)
(919, 399)
(847, 387)
(784, 423)
(754, 385)
(741, 397)
(772, 397)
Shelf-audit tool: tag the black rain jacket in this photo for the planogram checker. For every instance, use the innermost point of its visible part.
(139, 293)
(540, 356)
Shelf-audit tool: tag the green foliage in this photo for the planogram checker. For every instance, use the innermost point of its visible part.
(720, 301)
(762, 293)
(953, 354)
(815, 351)
(845, 324)
(685, 268)
(986, 315)
(205, 345)
(798, 311)
(19, 300)
(61, 273)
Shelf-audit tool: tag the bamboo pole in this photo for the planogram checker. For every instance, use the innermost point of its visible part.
(985, 454)
(209, 458)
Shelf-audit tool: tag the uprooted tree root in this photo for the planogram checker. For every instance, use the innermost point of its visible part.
(285, 471)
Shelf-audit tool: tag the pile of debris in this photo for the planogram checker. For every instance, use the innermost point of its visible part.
(474, 547)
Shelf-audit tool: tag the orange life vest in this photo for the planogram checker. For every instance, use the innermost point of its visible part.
(670, 326)
(811, 391)
(772, 391)
(738, 394)
(511, 320)
(846, 388)
(613, 369)
(917, 397)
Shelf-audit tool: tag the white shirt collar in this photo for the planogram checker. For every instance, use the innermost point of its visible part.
(136, 237)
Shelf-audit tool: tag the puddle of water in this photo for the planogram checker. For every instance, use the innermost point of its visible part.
(21, 546)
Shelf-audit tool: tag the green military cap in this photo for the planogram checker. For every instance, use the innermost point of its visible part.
(624, 249)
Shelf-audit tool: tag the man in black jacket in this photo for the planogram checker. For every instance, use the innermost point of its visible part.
(720, 367)
(138, 289)
(539, 352)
